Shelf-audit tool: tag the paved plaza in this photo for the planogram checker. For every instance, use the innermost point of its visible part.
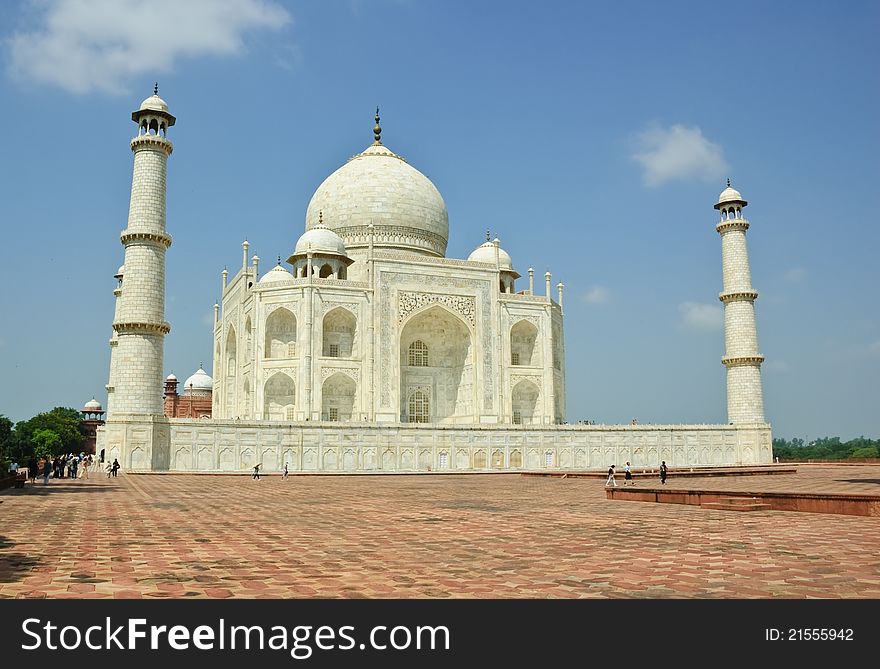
(428, 536)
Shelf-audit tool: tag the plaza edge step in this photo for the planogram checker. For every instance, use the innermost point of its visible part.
(737, 504)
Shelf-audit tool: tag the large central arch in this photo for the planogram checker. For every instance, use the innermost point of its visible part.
(436, 368)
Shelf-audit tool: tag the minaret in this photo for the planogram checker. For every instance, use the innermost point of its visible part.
(745, 399)
(140, 319)
(114, 339)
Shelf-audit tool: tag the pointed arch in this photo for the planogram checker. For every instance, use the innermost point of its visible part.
(339, 333)
(279, 397)
(280, 334)
(524, 349)
(248, 340)
(231, 370)
(338, 397)
(524, 400)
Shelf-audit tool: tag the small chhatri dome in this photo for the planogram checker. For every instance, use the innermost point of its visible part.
(277, 273)
(93, 406)
(485, 252)
(198, 382)
(171, 377)
(729, 194)
(320, 240)
(154, 102)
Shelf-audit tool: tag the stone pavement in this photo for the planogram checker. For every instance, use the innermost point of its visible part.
(479, 536)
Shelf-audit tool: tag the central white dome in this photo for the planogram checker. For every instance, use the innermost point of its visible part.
(379, 187)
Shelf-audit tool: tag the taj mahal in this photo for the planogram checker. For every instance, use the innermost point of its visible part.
(370, 351)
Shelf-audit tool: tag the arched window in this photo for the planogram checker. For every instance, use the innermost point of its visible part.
(418, 354)
(419, 409)
(326, 271)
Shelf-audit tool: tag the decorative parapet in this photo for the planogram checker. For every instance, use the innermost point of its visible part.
(431, 260)
(526, 298)
(134, 327)
(738, 296)
(162, 238)
(742, 360)
(152, 141)
(727, 226)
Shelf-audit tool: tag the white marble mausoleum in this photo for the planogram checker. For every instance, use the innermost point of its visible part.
(371, 351)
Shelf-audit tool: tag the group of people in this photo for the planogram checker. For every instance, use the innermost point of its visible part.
(628, 476)
(69, 465)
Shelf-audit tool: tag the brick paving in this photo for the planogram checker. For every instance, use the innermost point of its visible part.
(474, 536)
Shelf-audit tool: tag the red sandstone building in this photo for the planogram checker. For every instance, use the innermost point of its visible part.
(93, 417)
(195, 402)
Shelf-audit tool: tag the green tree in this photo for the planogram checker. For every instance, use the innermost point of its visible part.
(47, 444)
(866, 452)
(5, 443)
(64, 422)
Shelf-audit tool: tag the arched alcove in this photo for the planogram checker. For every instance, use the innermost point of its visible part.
(524, 402)
(524, 349)
(280, 334)
(279, 397)
(436, 360)
(338, 397)
(340, 330)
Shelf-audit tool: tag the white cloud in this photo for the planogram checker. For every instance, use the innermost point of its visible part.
(795, 275)
(595, 295)
(678, 153)
(699, 316)
(99, 45)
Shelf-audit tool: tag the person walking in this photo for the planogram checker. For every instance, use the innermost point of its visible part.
(108, 468)
(115, 466)
(256, 472)
(284, 476)
(663, 472)
(628, 476)
(611, 477)
(85, 465)
(32, 470)
(47, 469)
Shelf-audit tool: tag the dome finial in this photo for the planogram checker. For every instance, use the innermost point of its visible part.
(156, 88)
(728, 182)
(488, 236)
(377, 131)
(279, 261)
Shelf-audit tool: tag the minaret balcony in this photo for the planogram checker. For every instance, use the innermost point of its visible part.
(739, 296)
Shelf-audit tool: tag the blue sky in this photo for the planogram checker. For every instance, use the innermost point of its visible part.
(592, 138)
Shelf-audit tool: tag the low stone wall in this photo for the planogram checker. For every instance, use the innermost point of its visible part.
(223, 445)
(850, 505)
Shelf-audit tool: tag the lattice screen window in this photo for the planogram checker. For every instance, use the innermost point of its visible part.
(333, 414)
(444, 461)
(418, 354)
(291, 413)
(514, 358)
(548, 459)
(418, 407)
(333, 350)
(291, 349)
(517, 417)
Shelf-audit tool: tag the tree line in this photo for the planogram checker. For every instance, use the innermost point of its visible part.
(826, 448)
(45, 435)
